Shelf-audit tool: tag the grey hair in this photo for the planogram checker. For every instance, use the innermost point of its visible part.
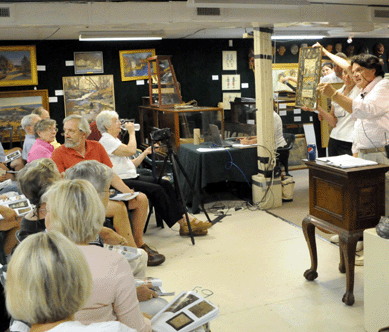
(38, 111)
(104, 120)
(42, 125)
(83, 124)
(98, 174)
(28, 120)
(48, 279)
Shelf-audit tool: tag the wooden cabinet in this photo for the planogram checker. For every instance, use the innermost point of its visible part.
(180, 121)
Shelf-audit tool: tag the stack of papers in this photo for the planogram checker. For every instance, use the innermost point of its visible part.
(346, 161)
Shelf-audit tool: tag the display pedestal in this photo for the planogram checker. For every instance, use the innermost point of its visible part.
(376, 280)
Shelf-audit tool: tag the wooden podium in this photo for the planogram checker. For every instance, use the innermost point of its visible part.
(345, 202)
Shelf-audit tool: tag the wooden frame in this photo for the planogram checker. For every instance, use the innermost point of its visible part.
(308, 76)
(14, 105)
(88, 95)
(88, 63)
(325, 103)
(18, 66)
(281, 70)
(133, 64)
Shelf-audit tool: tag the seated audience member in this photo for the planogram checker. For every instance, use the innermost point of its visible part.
(5, 172)
(44, 131)
(279, 140)
(162, 195)
(28, 123)
(44, 114)
(8, 227)
(49, 303)
(100, 176)
(77, 212)
(77, 148)
(34, 179)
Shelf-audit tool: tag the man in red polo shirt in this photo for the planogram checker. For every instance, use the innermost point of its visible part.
(77, 148)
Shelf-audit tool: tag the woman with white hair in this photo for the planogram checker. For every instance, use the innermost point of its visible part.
(44, 131)
(162, 195)
(49, 303)
(75, 209)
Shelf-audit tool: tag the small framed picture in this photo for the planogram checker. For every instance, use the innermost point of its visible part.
(134, 65)
(88, 63)
(18, 66)
(229, 60)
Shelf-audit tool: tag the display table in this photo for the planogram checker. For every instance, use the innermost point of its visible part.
(345, 202)
(210, 167)
(180, 121)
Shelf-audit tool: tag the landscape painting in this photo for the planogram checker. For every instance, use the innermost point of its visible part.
(18, 66)
(133, 64)
(14, 105)
(88, 95)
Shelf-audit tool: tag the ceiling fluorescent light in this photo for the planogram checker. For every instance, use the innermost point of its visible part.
(120, 35)
(297, 37)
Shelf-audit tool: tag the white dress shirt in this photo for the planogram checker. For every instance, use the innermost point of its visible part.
(373, 111)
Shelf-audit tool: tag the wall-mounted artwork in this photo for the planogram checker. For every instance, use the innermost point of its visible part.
(228, 97)
(14, 105)
(230, 82)
(18, 66)
(229, 60)
(88, 63)
(88, 95)
(281, 71)
(133, 64)
(308, 77)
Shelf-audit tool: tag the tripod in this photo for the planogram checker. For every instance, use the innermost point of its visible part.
(174, 161)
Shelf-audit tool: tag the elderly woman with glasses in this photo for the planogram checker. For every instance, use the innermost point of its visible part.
(50, 303)
(75, 209)
(45, 132)
(162, 195)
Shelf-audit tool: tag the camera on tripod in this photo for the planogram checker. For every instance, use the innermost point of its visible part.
(161, 135)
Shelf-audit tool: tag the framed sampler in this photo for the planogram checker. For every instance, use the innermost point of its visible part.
(309, 72)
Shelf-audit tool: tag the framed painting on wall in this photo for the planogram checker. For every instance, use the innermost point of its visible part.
(88, 95)
(88, 63)
(308, 76)
(14, 105)
(133, 64)
(282, 70)
(18, 66)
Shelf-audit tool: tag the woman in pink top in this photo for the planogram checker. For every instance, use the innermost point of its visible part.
(74, 208)
(45, 131)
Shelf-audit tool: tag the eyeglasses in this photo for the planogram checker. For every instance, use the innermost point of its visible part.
(52, 129)
(70, 132)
